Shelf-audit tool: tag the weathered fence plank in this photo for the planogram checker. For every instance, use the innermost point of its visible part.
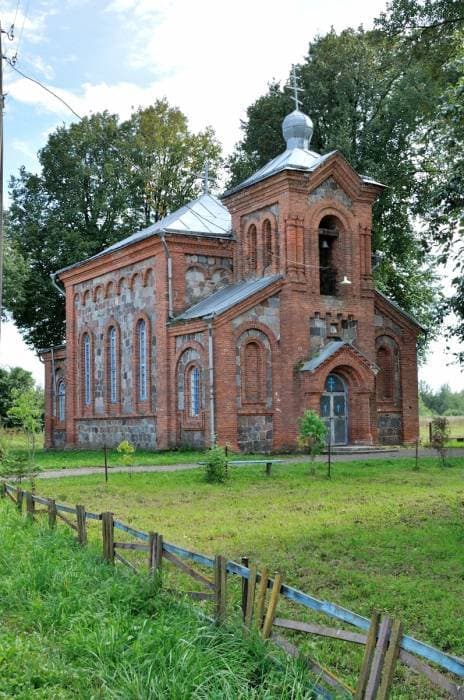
(368, 656)
(125, 561)
(19, 499)
(51, 513)
(220, 584)
(261, 599)
(81, 525)
(188, 570)
(136, 546)
(30, 506)
(378, 660)
(66, 520)
(390, 661)
(251, 595)
(321, 630)
(244, 580)
(108, 537)
(272, 607)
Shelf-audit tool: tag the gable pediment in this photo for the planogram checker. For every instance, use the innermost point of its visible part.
(330, 189)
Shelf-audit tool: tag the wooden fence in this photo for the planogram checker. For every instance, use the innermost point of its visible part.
(382, 637)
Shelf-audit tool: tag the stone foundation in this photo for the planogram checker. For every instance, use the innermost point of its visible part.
(96, 433)
(390, 429)
(255, 433)
(59, 438)
(192, 438)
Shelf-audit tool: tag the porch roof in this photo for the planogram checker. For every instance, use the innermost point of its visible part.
(332, 348)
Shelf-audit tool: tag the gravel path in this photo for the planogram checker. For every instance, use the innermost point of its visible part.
(384, 454)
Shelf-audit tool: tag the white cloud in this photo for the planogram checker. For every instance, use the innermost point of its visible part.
(15, 353)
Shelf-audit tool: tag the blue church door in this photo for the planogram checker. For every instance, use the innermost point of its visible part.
(334, 410)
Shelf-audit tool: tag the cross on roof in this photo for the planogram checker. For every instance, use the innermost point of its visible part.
(294, 86)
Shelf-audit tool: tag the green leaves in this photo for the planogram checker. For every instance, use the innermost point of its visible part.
(100, 181)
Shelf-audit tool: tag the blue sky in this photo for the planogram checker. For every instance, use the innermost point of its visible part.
(211, 58)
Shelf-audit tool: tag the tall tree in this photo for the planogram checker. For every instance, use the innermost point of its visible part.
(374, 100)
(100, 180)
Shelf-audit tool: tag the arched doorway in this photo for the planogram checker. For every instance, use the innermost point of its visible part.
(334, 409)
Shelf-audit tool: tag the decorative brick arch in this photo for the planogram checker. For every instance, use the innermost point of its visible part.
(148, 276)
(97, 293)
(259, 336)
(188, 357)
(109, 289)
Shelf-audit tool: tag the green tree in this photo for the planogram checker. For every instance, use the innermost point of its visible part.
(27, 412)
(373, 99)
(12, 381)
(100, 180)
(312, 433)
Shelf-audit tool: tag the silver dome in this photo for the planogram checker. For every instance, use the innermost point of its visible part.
(297, 129)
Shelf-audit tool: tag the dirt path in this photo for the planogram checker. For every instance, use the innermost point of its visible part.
(394, 454)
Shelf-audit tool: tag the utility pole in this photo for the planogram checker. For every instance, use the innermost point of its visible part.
(2, 104)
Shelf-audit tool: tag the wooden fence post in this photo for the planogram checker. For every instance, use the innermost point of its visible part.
(155, 552)
(244, 561)
(108, 537)
(2, 490)
(268, 468)
(373, 682)
(271, 610)
(19, 500)
(261, 601)
(251, 595)
(390, 660)
(220, 584)
(368, 656)
(30, 506)
(81, 525)
(51, 513)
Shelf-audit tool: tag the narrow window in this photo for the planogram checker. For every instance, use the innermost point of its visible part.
(253, 372)
(252, 248)
(112, 365)
(142, 359)
(195, 391)
(267, 240)
(385, 378)
(87, 396)
(61, 400)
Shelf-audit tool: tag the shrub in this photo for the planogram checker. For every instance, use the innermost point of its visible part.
(126, 449)
(440, 436)
(216, 465)
(312, 433)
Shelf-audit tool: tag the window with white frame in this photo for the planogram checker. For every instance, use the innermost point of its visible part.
(61, 400)
(195, 401)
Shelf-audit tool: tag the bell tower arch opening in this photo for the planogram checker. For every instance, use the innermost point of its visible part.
(328, 238)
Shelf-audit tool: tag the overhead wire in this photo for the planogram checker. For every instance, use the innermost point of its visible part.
(44, 87)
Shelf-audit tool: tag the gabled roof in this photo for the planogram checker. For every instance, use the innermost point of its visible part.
(292, 159)
(227, 297)
(205, 216)
(401, 311)
(331, 349)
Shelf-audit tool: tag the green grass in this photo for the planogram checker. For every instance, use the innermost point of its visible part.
(379, 535)
(456, 429)
(73, 627)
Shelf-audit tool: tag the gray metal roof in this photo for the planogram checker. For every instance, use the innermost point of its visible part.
(205, 216)
(291, 159)
(227, 297)
(331, 349)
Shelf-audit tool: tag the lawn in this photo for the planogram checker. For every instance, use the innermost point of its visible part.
(378, 535)
(73, 627)
(456, 424)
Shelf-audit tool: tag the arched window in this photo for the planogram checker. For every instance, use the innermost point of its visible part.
(194, 391)
(253, 372)
(267, 243)
(252, 248)
(61, 400)
(112, 365)
(87, 370)
(385, 377)
(142, 360)
(329, 229)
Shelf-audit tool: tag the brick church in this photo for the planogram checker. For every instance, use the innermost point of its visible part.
(230, 317)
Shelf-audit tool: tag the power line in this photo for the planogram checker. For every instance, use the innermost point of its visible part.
(44, 87)
(25, 13)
